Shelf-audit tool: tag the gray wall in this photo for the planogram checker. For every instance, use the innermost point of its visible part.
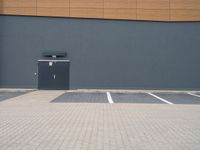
(103, 53)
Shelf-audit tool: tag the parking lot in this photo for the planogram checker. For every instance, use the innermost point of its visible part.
(130, 97)
(102, 120)
(119, 97)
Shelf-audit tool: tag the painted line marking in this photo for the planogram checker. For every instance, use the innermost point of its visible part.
(160, 98)
(193, 94)
(109, 98)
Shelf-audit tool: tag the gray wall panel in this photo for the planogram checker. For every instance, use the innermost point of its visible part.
(103, 53)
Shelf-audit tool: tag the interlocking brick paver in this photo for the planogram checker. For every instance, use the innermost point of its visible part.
(31, 122)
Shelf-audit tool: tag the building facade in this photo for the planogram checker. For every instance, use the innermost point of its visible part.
(103, 53)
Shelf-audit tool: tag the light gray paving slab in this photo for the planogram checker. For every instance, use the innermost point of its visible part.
(31, 122)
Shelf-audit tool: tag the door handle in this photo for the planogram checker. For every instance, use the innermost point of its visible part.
(54, 76)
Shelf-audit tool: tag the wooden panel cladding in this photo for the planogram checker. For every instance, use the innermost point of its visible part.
(58, 8)
(185, 4)
(55, 12)
(27, 3)
(120, 4)
(157, 10)
(153, 4)
(53, 3)
(86, 12)
(18, 7)
(18, 11)
(9, 3)
(154, 10)
(120, 13)
(153, 14)
(17, 3)
(86, 8)
(185, 15)
(86, 3)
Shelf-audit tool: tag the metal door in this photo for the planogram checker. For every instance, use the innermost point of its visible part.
(61, 75)
(53, 75)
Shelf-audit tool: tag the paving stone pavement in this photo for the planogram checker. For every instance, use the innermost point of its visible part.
(31, 122)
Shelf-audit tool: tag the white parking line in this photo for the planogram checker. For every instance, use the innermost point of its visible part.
(193, 94)
(160, 98)
(109, 98)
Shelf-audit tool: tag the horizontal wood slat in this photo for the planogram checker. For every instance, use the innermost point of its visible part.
(86, 12)
(86, 4)
(120, 3)
(18, 11)
(27, 3)
(153, 4)
(53, 3)
(119, 13)
(153, 14)
(185, 15)
(9, 3)
(185, 4)
(60, 12)
(17, 3)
